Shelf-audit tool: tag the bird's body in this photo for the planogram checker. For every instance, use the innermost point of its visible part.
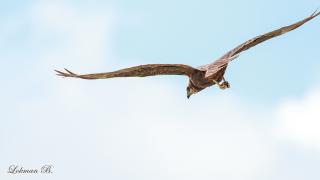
(200, 77)
(200, 81)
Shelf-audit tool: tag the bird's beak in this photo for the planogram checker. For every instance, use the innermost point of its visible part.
(188, 95)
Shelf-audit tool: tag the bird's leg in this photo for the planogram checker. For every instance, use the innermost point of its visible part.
(226, 83)
(223, 85)
(220, 85)
(223, 79)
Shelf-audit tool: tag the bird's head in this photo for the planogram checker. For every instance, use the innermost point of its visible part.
(191, 89)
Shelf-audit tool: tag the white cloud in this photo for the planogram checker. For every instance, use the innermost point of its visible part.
(299, 120)
(128, 136)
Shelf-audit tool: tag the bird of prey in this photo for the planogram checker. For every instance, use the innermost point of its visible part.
(200, 77)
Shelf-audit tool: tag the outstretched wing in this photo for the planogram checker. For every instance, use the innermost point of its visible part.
(137, 71)
(229, 56)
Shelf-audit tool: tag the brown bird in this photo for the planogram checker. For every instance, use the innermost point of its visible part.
(200, 77)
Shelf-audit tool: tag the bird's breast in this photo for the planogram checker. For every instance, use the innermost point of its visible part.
(201, 81)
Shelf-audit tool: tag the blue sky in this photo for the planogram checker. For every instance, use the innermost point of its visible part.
(197, 33)
(264, 127)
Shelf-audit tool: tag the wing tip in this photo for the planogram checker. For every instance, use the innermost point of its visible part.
(315, 13)
(65, 74)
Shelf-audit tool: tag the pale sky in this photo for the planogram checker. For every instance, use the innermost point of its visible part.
(265, 127)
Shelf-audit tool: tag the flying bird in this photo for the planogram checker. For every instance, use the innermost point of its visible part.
(200, 77)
